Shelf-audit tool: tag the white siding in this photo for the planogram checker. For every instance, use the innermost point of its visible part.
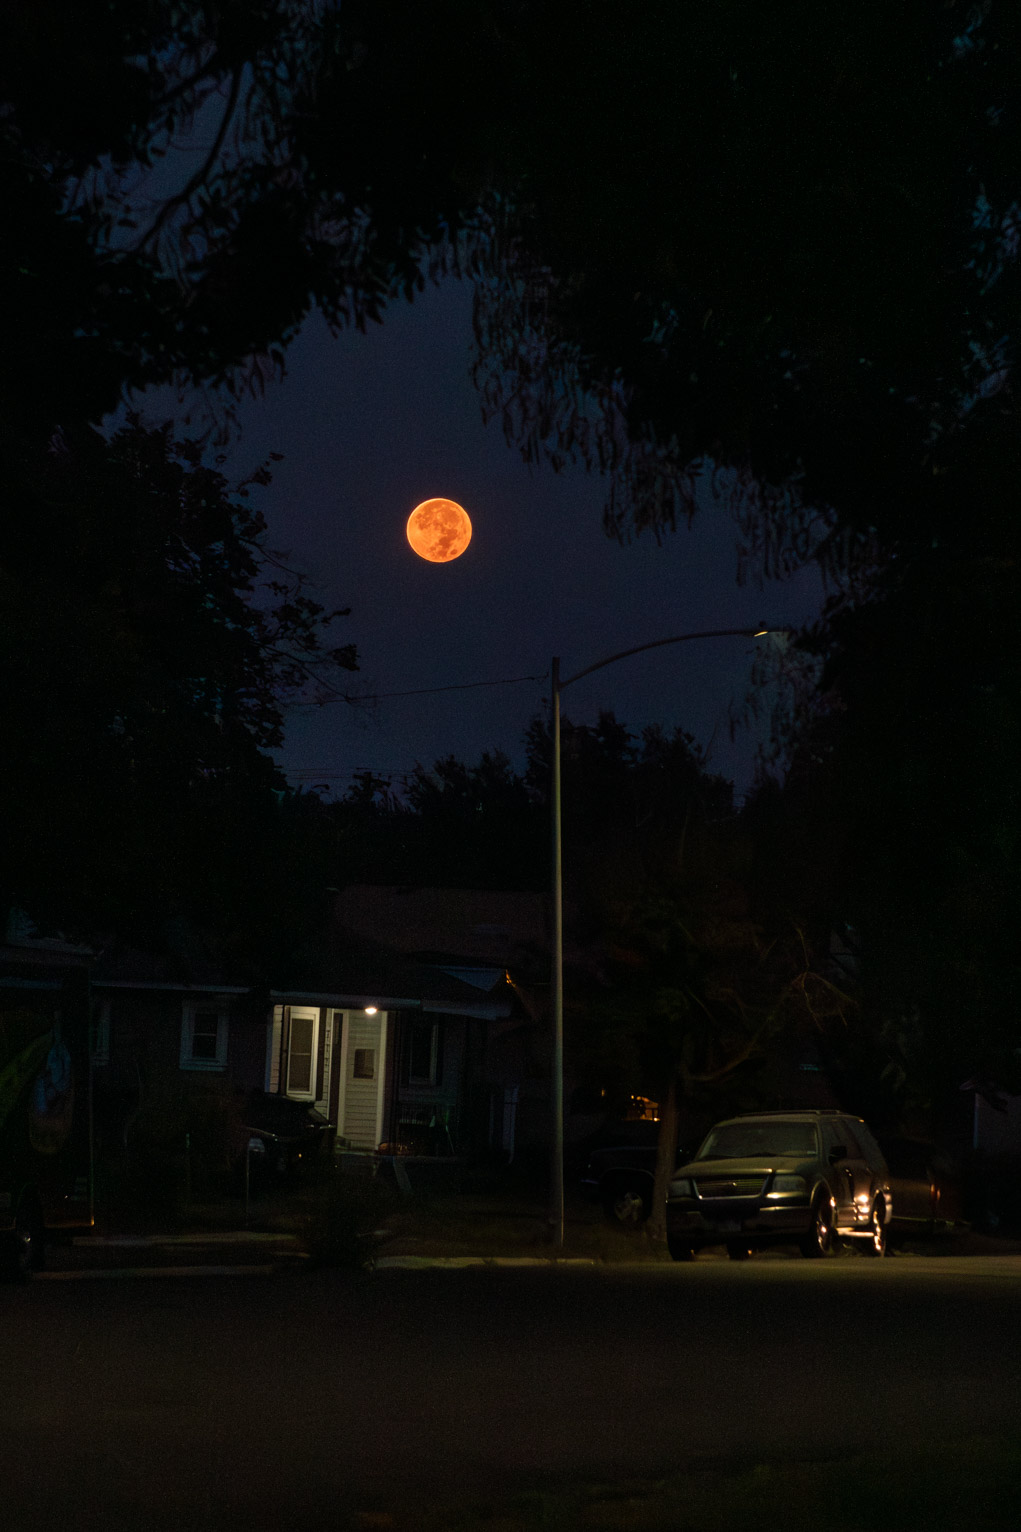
(361, 1100)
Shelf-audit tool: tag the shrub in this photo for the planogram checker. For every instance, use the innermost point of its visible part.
(344, 1212)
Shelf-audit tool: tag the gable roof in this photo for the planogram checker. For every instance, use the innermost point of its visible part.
(350, 970)
(458, 927)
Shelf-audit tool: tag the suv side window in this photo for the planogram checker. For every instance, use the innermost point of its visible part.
(849, 1132)
(875, 1155)
(832, 1135)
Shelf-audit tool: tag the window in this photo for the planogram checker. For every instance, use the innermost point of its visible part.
(101, 1033)
(834, 1137)
(204, 1035)
(747, 1140)
(302, 1043)
(850, 1138)
(423, 1057)
(364, 1064)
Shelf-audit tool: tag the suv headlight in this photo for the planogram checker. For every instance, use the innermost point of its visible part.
(788, 1184)
(681, 1186)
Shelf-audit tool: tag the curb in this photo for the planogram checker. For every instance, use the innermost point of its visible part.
(115, 1273)
(457, 1262)
(211, 1253)
(150, 1241)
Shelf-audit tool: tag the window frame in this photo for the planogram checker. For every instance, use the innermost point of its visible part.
(100, 1033)
(435, 1054)
(301, 1013)
(358, 1055)
(189, 1010)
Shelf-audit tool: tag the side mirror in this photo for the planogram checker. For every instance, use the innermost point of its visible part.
(838, 1153)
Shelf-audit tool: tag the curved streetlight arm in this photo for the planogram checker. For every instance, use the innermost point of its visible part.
(657, 643)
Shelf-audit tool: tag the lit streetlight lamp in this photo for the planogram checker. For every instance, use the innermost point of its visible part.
(556, 1204)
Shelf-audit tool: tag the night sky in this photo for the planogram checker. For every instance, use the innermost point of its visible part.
(371, 424)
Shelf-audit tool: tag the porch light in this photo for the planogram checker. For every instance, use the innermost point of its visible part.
(370, 1010)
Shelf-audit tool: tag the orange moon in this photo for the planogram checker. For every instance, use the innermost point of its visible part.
(439, 530)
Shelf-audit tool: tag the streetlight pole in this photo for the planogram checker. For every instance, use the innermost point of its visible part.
(556, 1207)
(556, 1202)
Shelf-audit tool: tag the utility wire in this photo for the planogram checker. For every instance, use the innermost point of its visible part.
(427, 691)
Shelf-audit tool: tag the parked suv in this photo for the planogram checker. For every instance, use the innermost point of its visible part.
(775, 1178)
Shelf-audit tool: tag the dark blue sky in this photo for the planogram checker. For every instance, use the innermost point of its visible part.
(371, 424)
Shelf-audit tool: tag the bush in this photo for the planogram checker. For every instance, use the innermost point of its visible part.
(178, 1145)
(212, 1118)
(344, 1213)
(143, 1189)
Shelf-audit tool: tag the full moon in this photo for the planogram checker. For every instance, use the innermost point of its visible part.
(439, 530)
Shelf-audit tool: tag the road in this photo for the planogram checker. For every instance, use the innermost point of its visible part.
(267, 1403)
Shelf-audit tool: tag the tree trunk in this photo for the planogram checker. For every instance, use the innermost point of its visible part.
(666, 1161)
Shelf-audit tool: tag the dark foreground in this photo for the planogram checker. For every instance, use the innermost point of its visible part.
(884, 1394)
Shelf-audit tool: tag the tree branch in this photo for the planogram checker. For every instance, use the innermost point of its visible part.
(181, 198)
(184, 85)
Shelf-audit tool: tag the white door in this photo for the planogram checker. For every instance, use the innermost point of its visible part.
(362, 1070)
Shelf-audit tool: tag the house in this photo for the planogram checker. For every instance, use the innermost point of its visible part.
(995, 1120)
(382, 1047)
(492, 940)
(386, 1047)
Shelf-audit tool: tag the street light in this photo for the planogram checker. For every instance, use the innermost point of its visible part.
(556, 1205)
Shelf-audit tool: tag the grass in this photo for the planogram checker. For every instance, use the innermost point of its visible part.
(338, 1216)
(466, 1225)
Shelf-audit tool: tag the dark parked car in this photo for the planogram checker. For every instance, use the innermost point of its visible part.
(291, 1133)
(620, 1175)
(926, 1186)
(779, 1178)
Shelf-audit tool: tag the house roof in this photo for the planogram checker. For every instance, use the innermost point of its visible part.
(344, 971)
(351, 970)
(341, 967)
(460, 927)
(124, 967)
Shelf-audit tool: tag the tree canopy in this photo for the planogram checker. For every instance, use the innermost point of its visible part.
(782, 243)
(150, 638)
(775, 246)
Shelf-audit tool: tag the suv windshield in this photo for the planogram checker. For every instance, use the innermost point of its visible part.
(754, 1140)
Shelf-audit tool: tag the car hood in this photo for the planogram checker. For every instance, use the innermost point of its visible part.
(790, 1164)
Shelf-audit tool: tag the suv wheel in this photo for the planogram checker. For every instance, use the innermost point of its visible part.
(876, 1245)
(626, 1202)
(819, 1240)
(679, 1251)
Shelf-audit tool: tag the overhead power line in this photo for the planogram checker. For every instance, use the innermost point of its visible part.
(426, 691)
